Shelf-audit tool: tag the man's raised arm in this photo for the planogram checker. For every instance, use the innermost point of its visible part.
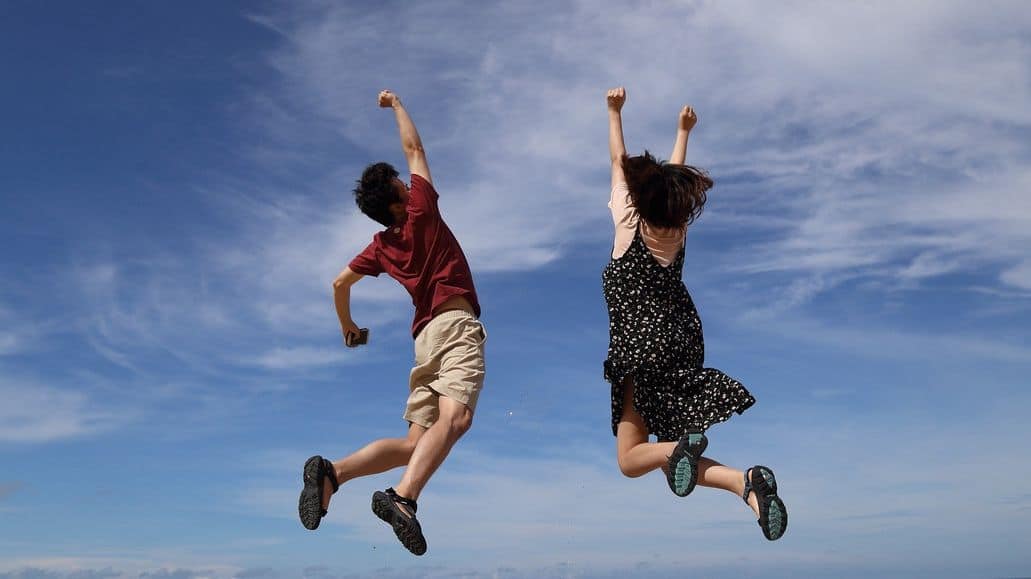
(411, 144)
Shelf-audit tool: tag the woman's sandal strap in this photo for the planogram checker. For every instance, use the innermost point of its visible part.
(748, 486)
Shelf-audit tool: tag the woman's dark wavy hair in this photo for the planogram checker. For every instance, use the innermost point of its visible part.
(665, 195)
(375, 192)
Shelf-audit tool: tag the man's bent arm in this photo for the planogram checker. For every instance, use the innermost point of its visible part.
(342, 298)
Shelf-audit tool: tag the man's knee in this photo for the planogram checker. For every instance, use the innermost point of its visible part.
(415, 432)
(461, 422)
(459, 419)
(409, 445)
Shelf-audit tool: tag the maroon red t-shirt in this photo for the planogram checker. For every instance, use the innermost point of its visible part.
(422, 255)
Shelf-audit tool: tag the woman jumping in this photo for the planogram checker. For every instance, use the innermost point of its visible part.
(656, 354)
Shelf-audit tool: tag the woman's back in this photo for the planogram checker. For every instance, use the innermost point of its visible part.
(663, 243)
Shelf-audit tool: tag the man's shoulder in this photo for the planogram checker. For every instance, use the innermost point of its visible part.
(376, 244)
(421, 185)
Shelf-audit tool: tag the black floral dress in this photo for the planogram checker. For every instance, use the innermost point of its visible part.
(655, 338)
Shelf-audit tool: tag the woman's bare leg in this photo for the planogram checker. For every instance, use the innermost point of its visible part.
(635, 455)
(715, 475)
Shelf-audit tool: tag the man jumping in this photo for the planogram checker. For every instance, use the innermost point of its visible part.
(419, 251)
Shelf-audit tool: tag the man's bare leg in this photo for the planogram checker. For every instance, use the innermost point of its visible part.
(376, 457)
(434, 445)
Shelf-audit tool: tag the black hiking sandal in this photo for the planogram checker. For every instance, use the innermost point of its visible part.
(309, 506)
(773, 515)
(406, 526)
(682, 474)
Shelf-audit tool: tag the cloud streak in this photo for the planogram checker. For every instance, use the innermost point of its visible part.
(34, 413)
(918, 179)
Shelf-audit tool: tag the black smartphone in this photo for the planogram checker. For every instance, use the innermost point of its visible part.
(363, 338)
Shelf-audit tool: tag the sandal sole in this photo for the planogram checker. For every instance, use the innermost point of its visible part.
(772, 509)
(776, 519)
(309, 505)
(684, 474)
(408, 532)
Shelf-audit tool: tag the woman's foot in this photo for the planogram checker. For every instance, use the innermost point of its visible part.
(319, 483)
(682, 471)
(399, 513)
(760, 493)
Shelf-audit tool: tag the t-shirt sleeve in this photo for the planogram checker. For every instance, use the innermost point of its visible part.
(619, 204)
(422, 196)
(624, 217)
(366, 262)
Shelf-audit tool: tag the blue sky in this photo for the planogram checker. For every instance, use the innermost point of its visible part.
(175, 190)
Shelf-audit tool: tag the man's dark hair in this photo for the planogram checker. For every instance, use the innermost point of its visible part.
(664, 194)
(375, 192)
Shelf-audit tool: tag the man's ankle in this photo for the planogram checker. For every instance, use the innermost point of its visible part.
(405, 493)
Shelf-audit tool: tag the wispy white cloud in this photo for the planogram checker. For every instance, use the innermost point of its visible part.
(287, 358)
(883, 342)
(836, 185)
(829, 181)
(101, 567)
(19, 333)
(1019, 276)
(9, 343)
(884, 140)
(34, 412)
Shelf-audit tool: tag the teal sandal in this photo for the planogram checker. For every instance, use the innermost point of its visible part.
(773, 515)
(682, 474)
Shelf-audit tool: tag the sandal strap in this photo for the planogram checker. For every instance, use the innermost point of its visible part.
(748, 486)
(410, 503)
(331, 474)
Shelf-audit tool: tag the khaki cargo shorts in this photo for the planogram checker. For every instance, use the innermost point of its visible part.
(448, 362)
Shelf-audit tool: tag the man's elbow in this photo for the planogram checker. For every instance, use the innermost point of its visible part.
(413, 149)
(346, 279)
(342, 283)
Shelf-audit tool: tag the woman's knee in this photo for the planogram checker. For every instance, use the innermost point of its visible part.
(627, 467)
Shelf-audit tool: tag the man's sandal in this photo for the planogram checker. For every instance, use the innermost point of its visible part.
(387, 506)
(309, 506)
